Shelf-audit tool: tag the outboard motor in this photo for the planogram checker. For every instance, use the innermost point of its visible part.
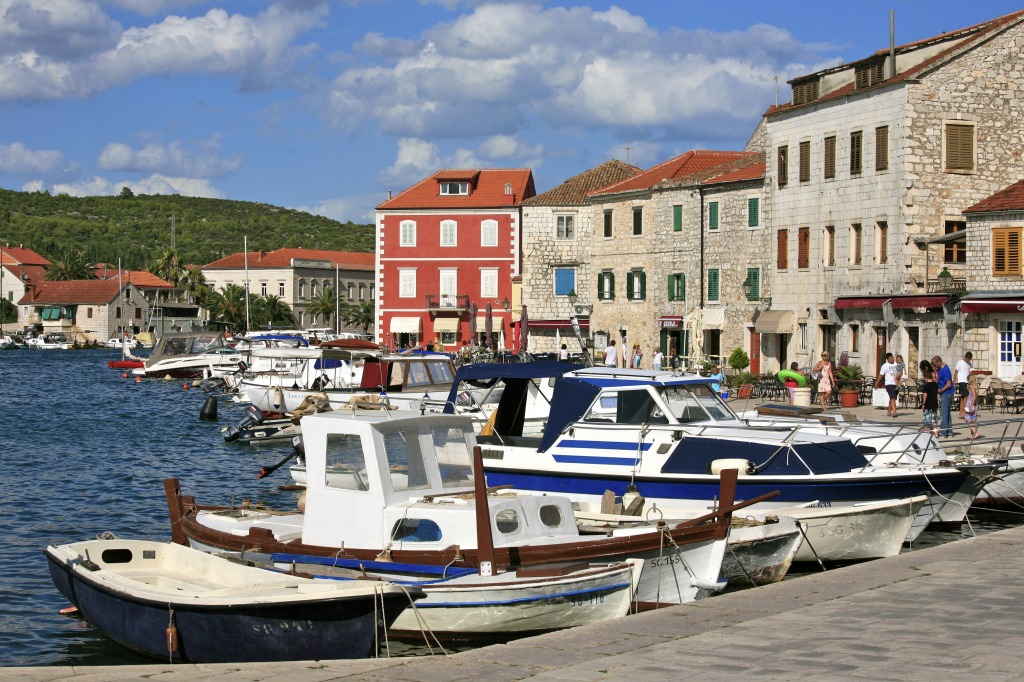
(255, 413)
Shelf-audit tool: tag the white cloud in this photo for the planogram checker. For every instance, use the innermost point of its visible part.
(358, 209)
(149, 7)
(36, 67)
(499, 68)
(17, 158)
(171, 159)
(54, 29)
(154, 184)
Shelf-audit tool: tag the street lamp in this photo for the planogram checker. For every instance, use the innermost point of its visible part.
(748, 287)
(945, 279)
(505, 304)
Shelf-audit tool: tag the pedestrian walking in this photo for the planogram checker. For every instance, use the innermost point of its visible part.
(944, 377)
(889, 375)
(930, 402)
(611, 355)
(826, 377)
(964, 367)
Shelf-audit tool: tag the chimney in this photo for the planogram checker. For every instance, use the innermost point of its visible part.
(389, 194)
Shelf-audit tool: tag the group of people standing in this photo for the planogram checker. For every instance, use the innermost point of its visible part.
(938, 389)
(636, 356)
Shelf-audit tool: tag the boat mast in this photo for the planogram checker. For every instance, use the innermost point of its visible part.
(245, 250)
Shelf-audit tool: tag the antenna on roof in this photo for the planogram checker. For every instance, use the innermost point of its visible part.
(776, 89)
(627, 154)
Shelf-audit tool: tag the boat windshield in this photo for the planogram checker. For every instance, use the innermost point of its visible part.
(695, 403)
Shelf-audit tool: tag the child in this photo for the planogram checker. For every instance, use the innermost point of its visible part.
(971, 405)
(930, 402)
(791, 382)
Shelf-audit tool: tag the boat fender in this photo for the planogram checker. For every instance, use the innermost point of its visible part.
(302, 503)
(209, 411)
(744, 466)
(172, 638)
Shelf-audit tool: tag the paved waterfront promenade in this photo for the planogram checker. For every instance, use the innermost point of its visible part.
(947, 612)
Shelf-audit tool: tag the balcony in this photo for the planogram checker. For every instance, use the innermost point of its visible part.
(957, 285)
(447, 302)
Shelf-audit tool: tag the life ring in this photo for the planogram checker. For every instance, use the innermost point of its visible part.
(799, 378)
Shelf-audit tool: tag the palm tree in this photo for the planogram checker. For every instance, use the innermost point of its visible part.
(362, 314)
(69, 265)
(168, 267)
(194, 282)
(323, 304)
(275, 311)
(228, 305)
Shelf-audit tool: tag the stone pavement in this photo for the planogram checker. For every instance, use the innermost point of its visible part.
(946, 612)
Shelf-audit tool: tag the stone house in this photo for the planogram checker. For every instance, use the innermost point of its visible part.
(298, 276)
(870, 164)
(86, 311)
(18, 268)
(557, 236)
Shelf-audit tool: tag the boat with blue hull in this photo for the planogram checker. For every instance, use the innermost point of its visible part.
(185, 606)
(668, 436)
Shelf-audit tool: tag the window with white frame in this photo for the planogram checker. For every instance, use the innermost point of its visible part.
(636, 285)
(406, 283)
(449, 285)
(489, 233)
(449, 233)
(565, 281)
(280, 289)
(565, 227)
(455, 188)
(488, 282)
(263, 288)
(351, 291)
(407, 230)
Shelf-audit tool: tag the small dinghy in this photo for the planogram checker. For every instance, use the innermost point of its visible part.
(183, 605)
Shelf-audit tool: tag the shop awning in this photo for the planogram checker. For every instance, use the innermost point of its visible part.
(584, 323)
(713, 318)
(446, 324)
(670, 321)
(861, 302)
(992, 305)
(935, 301)
(774, 322)
(405, 325)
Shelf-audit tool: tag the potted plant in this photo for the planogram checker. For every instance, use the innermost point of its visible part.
(742, 380)
(849, 378)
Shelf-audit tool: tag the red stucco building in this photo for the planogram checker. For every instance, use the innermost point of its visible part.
(447, 248)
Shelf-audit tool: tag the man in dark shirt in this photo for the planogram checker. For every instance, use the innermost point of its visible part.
(946, 391)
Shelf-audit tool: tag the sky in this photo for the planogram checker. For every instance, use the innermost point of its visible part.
(325, 106)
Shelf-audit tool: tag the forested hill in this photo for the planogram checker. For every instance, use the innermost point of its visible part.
(138, 229)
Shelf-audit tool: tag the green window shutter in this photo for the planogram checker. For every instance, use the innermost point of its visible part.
(681, 288)
(677, 218)
(753, 212)
(643, 285)
(713, 285)
(600, 287)
(672, 287)
(754, 277)
(630, 286)
(713, 215)
(610, 294)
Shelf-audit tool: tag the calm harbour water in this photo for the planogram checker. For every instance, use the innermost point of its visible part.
(84, 451)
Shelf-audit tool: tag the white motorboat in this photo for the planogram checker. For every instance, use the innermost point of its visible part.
(189, 355)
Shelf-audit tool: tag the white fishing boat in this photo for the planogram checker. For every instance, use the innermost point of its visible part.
(417, 473)
(182, 605)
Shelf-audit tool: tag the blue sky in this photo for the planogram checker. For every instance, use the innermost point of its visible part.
(325, 106)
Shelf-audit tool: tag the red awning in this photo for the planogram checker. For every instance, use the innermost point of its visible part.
(934, 301)
(559, 324)
(670, 321)
(862, 302)
(997, 305)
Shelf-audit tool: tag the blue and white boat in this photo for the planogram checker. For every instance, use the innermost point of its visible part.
(667, 436)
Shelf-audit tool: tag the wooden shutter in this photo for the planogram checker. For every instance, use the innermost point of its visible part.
(753, 212)
(883, 242)
(680, 287)
(830, 157)
(782, 250)
(630, 285)
(677, 218)
(713, 284)
(610, 289)
(713, 215)
(1006, 256)
(856, 148)
(959, 147)
(803, 251)
(754, 277)
(805, 161)
(600, 286)
(882, 148)
(783, 163)
(642, 276)
(672, 287)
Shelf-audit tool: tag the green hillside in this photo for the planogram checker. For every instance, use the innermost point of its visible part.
(137, 229)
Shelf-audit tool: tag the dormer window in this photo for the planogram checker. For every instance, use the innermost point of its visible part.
(869, 74)
(805, 91)
(455, 188)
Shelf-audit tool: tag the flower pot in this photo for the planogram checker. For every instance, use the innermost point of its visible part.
(849, 397)
(744, 391)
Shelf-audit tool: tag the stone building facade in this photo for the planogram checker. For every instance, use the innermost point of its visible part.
(866, 167)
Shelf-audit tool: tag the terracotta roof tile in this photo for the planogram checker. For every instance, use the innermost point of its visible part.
(488, 190)
(691, 167)
(958, 40)
(573, 192)
(751, 169)
(17, 255)
(282, 258)
(73, 292)
(1007, 199)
